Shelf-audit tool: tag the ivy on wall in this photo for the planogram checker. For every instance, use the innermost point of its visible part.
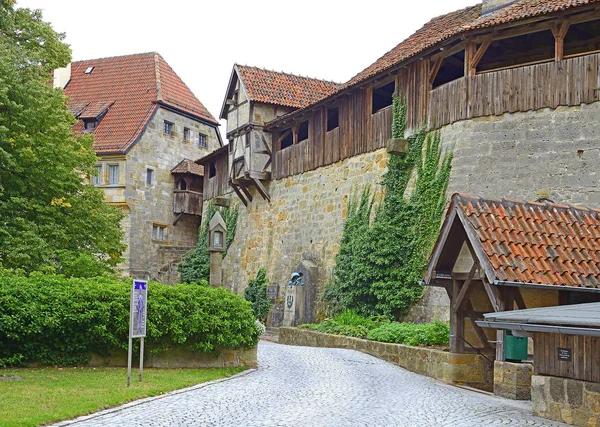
(380, 262)
(196, 266)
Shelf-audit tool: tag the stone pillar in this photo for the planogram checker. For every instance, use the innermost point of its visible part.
(513, 380)
(294, 306)
(216, 269)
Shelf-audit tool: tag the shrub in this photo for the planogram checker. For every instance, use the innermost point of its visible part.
(347, 323)
(426, 334)
(256, 293)
(61, 321)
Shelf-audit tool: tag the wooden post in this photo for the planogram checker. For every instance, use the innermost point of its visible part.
(457, 322)
(559, 30)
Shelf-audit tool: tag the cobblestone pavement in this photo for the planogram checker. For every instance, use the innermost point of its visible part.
(303, 386)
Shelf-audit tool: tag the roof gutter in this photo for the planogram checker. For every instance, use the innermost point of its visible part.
(550, 329)
(546, 286)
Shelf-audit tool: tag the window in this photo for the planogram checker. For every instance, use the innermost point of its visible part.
(212, 170)
(187, 135)
(201, 140)
(168, 129)
(158, 232)
(97, 179)
(149, 176)
(452, 68)
(519, 50)
(287, 138)
(303, 131)
(333, 118)
(181, 185)
(89, 70)
(113, 174)
(89, 125)
(383, 96)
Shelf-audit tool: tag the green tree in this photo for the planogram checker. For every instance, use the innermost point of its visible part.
(50, 219)
(256, 293)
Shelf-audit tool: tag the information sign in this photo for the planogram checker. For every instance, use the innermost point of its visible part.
(565, 354)
(139, 299)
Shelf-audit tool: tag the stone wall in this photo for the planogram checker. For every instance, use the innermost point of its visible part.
(566, 400)
(304, 221)
(463, 369)
(152, 204)
(513, 380)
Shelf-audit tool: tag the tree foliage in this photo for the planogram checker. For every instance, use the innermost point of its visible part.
(50, 219)
(196, 267)
(379, 264)
(256, 294)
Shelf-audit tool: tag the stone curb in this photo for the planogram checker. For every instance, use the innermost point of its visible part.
(148, 399)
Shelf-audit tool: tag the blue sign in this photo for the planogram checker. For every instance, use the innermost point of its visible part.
(139, 302)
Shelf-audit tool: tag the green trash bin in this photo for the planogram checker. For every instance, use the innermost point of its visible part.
(515, 348)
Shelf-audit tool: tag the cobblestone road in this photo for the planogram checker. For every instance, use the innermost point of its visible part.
(303, 386)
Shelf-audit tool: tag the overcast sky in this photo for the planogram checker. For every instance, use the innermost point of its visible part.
(201, 40)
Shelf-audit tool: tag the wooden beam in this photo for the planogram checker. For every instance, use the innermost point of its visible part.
(457, 323)
(261, 189)
(559, 30)
(494, 295)
(462, 295)
(519, 299)
(478, 56)
(177, 219)
(435, 70)
(239, 194)
(478, 329)
(246, 193)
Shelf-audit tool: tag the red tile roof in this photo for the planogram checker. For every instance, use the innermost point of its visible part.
(538, 243)
(188, 166)
(132, 85)
(454, 24)
(288, 90)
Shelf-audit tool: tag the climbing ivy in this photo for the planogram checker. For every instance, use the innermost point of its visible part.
(380, 262)
(196, 266)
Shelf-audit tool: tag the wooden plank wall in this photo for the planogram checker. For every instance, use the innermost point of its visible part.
(565, 83)
(217, 185)
(585, 364)
(358, 132)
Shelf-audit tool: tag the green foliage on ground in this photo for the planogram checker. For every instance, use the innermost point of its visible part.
(426, 334)
(256, 294)
(351, 324)
(381, 261)
(196, 266)
(60, 321)
(46, 396)
(51, 219)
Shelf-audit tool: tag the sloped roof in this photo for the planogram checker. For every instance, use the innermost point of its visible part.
(453, 24)
(287, 90)
(188, 166)
(132, 86)
(530, 242)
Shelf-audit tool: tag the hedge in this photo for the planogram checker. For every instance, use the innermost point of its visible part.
(61, 321)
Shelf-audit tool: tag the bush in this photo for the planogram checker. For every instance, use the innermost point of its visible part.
(426, 334)
(347, 323)
(61, 321)
(256, 294)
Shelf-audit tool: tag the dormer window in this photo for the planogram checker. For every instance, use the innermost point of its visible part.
(89, 125)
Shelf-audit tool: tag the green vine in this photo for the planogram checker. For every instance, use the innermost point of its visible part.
(380, 263)
(196, 267)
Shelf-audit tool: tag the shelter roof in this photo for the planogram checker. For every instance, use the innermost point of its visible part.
(128, 89)
(539, 243)
(585, 315)
(287, 90)
(188, 166)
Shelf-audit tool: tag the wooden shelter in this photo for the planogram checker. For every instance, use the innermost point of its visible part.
(498, 255)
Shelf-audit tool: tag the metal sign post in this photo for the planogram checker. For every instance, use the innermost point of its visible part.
(137, 323)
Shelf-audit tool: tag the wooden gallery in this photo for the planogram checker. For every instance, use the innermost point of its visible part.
(512, 88)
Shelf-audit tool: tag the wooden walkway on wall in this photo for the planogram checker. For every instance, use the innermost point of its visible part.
(570, 82)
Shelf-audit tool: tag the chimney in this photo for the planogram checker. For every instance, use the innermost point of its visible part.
(62, 76)
(490, 6)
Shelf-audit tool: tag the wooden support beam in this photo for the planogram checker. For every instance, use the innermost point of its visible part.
(494, 295)
(462, 295)
(478, 55)
(469, 54)
(435, 70)
(261, 189)
(239, 194)
(559, 30)
(246, 193)
(478, 329)
(457, 323)
(177, 219)
(519, 299)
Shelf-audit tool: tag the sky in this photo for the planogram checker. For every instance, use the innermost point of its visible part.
(201, 40)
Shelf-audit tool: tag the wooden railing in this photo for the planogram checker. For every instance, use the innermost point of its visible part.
(570, 82)
(187, 202)
(381, 127)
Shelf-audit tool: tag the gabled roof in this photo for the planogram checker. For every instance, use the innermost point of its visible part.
(188, 166)
(131, 86)
(527, 242)
(451, 25)
(272, 87)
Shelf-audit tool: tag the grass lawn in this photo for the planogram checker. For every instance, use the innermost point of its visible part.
(51, 395)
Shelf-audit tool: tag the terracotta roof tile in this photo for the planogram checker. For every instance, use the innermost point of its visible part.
(288, 90)
(132, 86)
(188, 166)
(557, 251)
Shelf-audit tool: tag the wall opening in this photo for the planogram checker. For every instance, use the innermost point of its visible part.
(582, 38)
(303, 131)
(333, 118)
(518, 51)
(212, 170)
(453, 68)
(383, 96)
(288, 140)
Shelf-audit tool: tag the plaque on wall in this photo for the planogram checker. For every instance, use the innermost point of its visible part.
(272, 291)
(565, 354)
